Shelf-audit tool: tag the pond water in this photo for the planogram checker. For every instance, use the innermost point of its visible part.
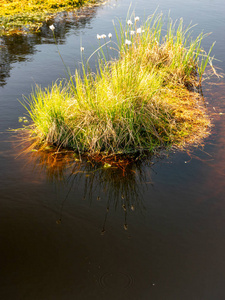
(71, 231)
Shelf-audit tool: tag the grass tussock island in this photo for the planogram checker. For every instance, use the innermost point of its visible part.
(23, 16)
(144, 100)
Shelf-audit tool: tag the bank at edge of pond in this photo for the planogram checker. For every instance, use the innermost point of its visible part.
(23, 17)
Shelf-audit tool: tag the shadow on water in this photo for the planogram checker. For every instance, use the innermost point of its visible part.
(119, 186)
(19, 48)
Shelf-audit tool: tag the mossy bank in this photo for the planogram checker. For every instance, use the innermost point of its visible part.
(24, 16)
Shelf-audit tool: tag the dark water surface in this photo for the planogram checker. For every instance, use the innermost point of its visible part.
(77, 232)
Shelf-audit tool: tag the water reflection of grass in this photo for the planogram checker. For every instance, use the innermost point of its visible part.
(145, 100)
(24, 16)
(120, 186)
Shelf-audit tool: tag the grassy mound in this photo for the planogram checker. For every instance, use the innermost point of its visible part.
(21, 16)
(144, 100)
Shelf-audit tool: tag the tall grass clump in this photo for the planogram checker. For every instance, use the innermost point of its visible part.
(146, 99)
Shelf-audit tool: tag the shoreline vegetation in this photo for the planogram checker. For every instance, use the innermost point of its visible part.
(147, 99)
(25, 16)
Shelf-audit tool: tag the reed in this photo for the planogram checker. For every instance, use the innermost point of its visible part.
(144, 100)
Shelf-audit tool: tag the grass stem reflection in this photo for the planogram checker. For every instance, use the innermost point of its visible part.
(120, 186)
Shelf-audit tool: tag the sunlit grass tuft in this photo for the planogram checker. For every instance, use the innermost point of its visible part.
(144, 100)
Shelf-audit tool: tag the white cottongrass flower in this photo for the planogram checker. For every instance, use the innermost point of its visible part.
(136, 19)
(81, 49)
(110, 35)
(139, 30)
(129, 22)
(127, 42)
(132, 32)
(103, 36)
(52, 27)
(99, 36)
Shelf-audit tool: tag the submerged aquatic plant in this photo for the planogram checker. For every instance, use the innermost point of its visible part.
(142, 101)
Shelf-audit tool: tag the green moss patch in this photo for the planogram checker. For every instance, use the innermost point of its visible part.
(21, 17)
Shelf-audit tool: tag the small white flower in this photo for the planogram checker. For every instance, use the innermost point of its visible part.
(136, 19)
(139, 30)
(99, 36)
(129, 22)
(81, 49)
(52, 27)
(110, 35)
(132, 32)
(127, 42)
(103, 36)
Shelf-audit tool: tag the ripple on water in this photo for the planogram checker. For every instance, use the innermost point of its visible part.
(116, 280)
